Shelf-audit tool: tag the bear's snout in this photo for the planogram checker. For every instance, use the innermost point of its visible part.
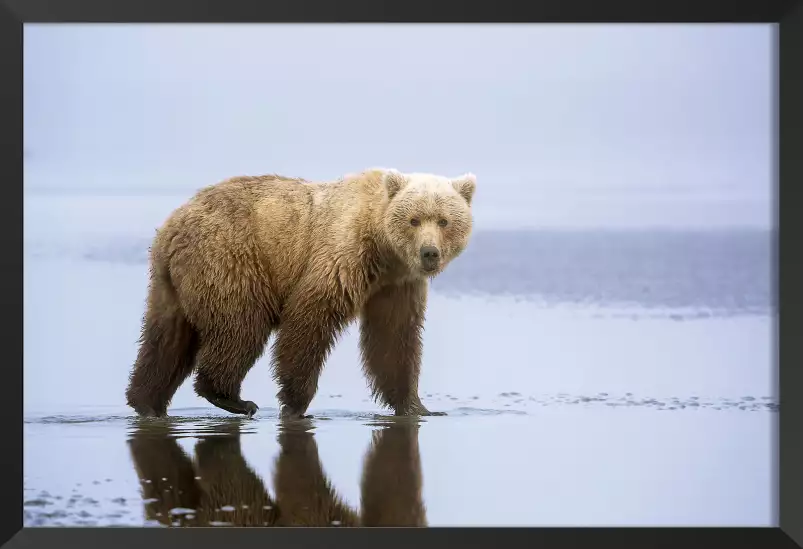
(430, 257)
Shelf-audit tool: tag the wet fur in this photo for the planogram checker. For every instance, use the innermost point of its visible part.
(256, 255)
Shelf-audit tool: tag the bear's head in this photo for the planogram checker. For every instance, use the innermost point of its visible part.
(428, 218)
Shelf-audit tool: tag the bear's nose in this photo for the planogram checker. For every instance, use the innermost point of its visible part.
(430, 256)
(430, 252)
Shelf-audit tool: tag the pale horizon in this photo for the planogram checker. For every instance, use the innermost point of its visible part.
(564, 125)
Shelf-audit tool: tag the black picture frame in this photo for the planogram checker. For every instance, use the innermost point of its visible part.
(788, 14)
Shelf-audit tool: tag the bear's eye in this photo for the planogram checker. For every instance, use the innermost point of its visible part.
(442, 222)
(415, 222)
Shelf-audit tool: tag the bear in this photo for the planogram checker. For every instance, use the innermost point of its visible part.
(251, 256)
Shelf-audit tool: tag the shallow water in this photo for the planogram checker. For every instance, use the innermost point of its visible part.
(582, 463)
(613, 378)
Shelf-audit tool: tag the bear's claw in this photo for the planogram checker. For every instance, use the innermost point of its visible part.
(244, 407)
(418, 409)
(145, 411)
(250, 408)
(288, 413)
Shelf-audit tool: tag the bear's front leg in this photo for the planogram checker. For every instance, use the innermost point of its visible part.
(391, 345)
(309, 328)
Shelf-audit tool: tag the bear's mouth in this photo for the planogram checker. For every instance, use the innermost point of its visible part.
(431, 271)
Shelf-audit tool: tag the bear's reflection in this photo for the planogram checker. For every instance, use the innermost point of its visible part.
(219, 487)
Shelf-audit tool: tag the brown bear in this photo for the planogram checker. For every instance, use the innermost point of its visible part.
(253, 255)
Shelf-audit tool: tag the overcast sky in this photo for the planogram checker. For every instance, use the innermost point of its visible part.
(580, 123)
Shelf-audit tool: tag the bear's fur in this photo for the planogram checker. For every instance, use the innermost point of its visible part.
(253, 255)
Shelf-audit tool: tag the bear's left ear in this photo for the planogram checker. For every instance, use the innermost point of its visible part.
(394, 181)
(465, 185)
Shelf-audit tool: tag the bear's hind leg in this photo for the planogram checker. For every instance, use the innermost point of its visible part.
(224, 358)
(166, 352)
(391, 346)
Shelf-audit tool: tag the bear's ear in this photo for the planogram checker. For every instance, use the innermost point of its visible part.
(465, 185)
(394, 181)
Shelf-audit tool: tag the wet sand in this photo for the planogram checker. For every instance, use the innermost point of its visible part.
(566, 460)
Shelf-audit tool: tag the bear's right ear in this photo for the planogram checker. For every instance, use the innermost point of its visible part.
(394, 181)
